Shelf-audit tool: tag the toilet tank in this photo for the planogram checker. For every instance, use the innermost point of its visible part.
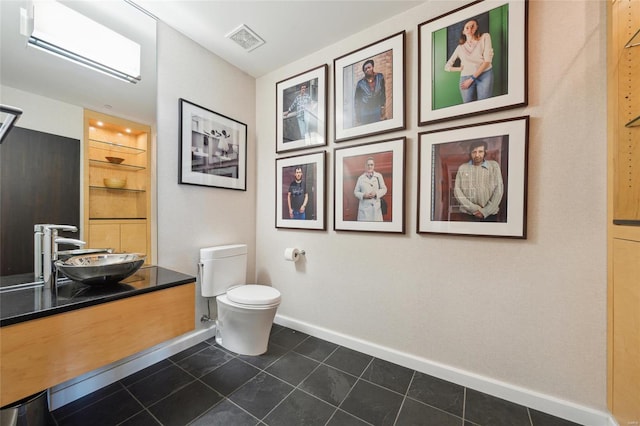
(222, 267)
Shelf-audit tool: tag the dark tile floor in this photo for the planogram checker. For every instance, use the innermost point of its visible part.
(300, 381)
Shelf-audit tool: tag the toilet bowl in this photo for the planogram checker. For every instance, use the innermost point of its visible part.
(245, 316)
(245, 311)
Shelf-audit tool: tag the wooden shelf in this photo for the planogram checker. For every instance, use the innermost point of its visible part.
(117, 189)
(116, 218)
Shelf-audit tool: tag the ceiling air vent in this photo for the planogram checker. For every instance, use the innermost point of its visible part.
(246, 38)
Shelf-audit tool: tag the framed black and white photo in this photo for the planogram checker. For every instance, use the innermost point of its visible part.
(473, 60)
(213, 148)
(369, 90)
(473, 179)
(301, 110)
(301, 191)
(369, 182)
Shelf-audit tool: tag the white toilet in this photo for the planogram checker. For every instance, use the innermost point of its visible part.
(245, 311)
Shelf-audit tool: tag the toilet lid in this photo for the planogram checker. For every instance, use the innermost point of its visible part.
(254, 294)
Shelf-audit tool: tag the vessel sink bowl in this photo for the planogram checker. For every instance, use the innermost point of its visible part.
(67, 254)
(100, 268)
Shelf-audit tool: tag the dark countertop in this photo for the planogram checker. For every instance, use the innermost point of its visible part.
(19, 303)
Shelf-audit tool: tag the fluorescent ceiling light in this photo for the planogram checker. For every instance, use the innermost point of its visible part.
(64, 32)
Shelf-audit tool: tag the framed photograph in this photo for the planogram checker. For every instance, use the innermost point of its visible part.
(301, 109)
(369, 89)
(213, 148)
(301, 191)
(473, 179)
(370, 187)
(472, 60)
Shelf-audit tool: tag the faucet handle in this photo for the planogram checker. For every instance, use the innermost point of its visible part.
(70, 241)
(62, 227)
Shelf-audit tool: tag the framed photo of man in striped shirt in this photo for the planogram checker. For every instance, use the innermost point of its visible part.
(472, 179)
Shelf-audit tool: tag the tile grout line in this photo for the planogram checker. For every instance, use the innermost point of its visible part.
(92, 403)
(464, 404)
(272, 375)
(406, 393)
(144, 408)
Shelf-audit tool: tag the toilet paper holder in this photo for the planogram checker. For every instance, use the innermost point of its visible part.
(293, 254)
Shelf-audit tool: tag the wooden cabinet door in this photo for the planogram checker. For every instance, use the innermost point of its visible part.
(104, 235)
(133, 237)
(626, 331)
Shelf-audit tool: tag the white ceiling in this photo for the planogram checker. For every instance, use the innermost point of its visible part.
(291, 29)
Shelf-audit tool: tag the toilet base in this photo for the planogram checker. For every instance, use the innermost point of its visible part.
(244, 330)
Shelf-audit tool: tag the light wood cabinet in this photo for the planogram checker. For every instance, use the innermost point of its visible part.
(44, 352)
(117, 217)
(623, 211)
(626, 331)
(120, 235)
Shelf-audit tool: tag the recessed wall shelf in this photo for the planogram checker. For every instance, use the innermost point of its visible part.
(117, 217)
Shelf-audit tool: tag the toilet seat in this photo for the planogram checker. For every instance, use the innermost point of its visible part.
(254, 295)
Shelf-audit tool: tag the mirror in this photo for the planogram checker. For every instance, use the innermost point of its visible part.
(8, 117)
(52, 91)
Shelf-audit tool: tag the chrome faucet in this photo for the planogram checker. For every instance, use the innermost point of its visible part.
(46, 242)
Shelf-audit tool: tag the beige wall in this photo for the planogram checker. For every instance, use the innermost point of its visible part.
(527, 314)
(191, 217)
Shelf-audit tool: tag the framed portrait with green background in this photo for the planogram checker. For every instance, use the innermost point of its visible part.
(473, 61)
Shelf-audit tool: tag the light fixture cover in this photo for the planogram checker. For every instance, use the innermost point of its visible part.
(67, 33)
(246, 38)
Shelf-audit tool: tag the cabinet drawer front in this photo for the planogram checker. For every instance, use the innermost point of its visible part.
(42, 353)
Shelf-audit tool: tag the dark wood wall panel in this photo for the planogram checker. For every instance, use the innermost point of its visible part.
(39, 183)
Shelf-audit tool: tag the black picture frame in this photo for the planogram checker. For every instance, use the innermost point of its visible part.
(384, 109)
(354, 210)
(503, 43)
(312, 187)
(449, 197)
(213, 148)
(301, 126)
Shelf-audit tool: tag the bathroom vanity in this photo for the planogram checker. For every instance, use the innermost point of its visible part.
(48, 337)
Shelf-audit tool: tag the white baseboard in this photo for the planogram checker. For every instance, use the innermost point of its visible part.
(538, 401)
(78, 387)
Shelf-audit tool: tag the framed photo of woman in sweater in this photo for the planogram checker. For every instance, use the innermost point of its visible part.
(472, 60)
